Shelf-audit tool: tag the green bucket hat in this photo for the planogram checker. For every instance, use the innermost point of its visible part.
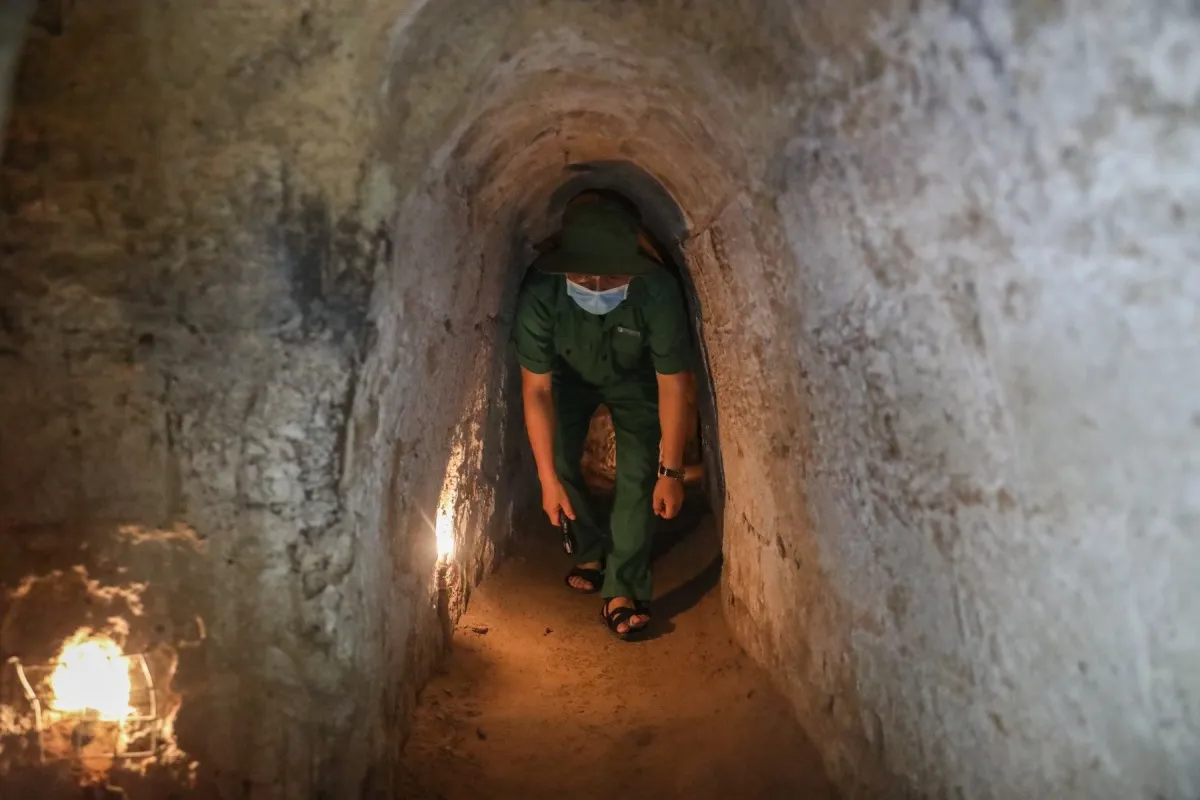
(598, 238)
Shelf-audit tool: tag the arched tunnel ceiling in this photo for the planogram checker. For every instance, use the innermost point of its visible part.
(526, 112)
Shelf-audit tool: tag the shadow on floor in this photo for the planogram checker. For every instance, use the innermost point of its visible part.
(679, 599)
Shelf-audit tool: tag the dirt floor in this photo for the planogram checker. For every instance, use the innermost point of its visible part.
(546, 703)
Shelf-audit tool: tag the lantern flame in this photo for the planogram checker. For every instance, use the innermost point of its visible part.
(91, 676)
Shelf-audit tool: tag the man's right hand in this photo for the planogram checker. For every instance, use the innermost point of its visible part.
(555, 501)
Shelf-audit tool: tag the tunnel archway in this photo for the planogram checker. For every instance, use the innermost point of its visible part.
(527, 136)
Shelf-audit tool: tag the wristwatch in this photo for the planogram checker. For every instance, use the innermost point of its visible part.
(666, 472)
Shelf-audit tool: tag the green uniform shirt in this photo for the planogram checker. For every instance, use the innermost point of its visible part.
(646, 334)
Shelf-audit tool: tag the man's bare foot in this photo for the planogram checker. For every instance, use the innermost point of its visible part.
(635, 623)
(583, 584)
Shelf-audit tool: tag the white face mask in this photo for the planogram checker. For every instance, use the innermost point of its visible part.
(595, 302)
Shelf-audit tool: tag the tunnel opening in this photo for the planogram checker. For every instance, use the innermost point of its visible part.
(664, 231)
(520, 620)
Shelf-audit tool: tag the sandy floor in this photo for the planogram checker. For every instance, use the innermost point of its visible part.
(547, 703)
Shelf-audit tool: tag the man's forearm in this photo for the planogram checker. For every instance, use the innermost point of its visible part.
(673, 417)
(539, 422)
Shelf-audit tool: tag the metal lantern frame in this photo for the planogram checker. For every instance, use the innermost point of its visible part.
(146, 723)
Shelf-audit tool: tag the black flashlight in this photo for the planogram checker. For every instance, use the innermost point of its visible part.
(569, 544)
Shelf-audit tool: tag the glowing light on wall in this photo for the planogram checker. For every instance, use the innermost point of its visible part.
(91, 675)
(444, 530)
(445, 524)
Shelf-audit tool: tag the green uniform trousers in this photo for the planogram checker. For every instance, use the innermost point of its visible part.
(626, 547)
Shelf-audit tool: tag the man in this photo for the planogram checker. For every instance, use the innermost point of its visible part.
(598, 322)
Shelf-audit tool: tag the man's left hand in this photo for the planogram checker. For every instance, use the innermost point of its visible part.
(668, 497)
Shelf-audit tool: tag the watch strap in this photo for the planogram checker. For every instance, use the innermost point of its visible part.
(665, 472)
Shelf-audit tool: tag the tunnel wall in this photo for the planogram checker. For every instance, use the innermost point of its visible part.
(433, 434)
(255, 270)
(231, 401)
(192, 224)
(991, 212)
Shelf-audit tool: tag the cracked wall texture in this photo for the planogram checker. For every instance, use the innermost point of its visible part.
(255, 270)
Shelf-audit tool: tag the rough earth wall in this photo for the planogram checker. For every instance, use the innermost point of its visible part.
(992, 213)
(192, 224)
(945, 255)
(204, 409)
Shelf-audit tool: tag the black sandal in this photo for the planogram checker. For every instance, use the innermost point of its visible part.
(593, 576)
(614, 619)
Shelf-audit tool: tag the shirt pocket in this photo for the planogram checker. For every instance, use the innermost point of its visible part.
(627, 346)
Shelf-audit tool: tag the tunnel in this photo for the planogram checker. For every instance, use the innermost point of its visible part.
(262, 443)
